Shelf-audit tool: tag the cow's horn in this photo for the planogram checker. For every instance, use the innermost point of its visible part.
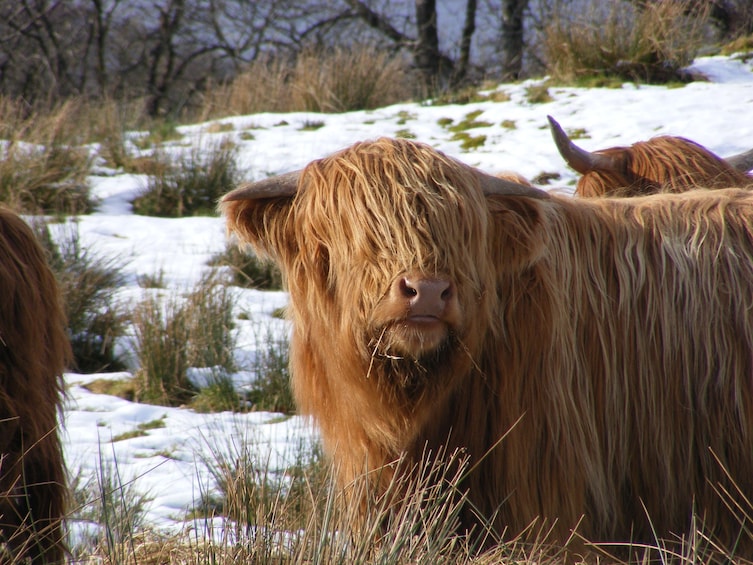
(272, 187)
(579, 159)
(742, 162)
(495, 186)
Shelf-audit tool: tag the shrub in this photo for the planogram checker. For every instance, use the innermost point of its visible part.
(217, 395)
(162, 335)
(251, 493)
(538, 94)
(48, 179)
(113, 511)
(192, 186)
(248, 271)
(210, 316)
(174, 334)
(87, 281)
(298, 515)
(42, 169)
(647, 44)
(271, 387)
(341, 80)
(323, 80)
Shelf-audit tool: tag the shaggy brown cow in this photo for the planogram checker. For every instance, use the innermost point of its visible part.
(662, 164)
(34, 351)
(436, 305)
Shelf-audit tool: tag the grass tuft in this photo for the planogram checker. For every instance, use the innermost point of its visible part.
(192, 186)
(248, 271)
(325, 80)
(650, 43)
(271, 390)
(109, 514)
(174, 334)
(96, 320)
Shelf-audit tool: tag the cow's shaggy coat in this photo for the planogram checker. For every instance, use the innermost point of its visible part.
(618, 331)
(661, 164)
(34, 351)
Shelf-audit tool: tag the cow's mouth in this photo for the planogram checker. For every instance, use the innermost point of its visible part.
(414, 337)
(421, 321)
(410, 351)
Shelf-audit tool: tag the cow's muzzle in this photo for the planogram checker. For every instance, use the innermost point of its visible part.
(425, 299)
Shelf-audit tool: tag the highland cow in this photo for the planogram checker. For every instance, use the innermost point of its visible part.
(661, 164)
(592, 357)
(34, 351)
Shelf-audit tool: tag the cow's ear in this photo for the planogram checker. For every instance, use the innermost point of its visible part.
(264, 223)
(517, 231)
(259, 214)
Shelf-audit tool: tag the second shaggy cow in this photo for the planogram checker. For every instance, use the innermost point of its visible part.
(661, 164)
(34, 351)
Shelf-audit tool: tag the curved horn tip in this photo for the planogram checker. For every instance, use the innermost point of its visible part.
(552, 122)
(284, 185)
(236, 194)
(561, 139)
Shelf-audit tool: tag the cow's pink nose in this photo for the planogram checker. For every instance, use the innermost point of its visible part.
(425, 296)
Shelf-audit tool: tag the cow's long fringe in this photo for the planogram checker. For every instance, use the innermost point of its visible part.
(612, 338)
(661, 164)
(34, 351)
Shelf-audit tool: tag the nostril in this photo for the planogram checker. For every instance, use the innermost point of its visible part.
(447, 293)
(407, 289)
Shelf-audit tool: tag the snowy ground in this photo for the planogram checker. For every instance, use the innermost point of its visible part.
(167, 463)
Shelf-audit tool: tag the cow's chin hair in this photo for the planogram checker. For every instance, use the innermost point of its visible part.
(409, 356)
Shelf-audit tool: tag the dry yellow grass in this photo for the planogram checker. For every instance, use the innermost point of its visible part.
(335, 80)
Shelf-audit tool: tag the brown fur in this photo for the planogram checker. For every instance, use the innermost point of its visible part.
(662, 164)
(34, 351)
(619, 332)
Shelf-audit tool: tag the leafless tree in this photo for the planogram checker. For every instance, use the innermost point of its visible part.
(512, 37)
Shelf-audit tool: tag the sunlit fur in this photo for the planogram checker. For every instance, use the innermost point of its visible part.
(34, 351)
(662, 164)
(612, 338)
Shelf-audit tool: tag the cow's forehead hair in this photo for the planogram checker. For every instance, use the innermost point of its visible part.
(399, 202)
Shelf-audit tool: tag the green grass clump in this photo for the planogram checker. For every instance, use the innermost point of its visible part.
(271, 390)
(311, 125)
(741, 46)
(247, 270)
(96, 320)
(405, 134)
(122, 388)
(210, 313)
(470, 122)
(192, 185)
(161, 132)
(174, 334)
(162, 335)
(464, 95)
(218, 395)
(467, 141)
(538, 94)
